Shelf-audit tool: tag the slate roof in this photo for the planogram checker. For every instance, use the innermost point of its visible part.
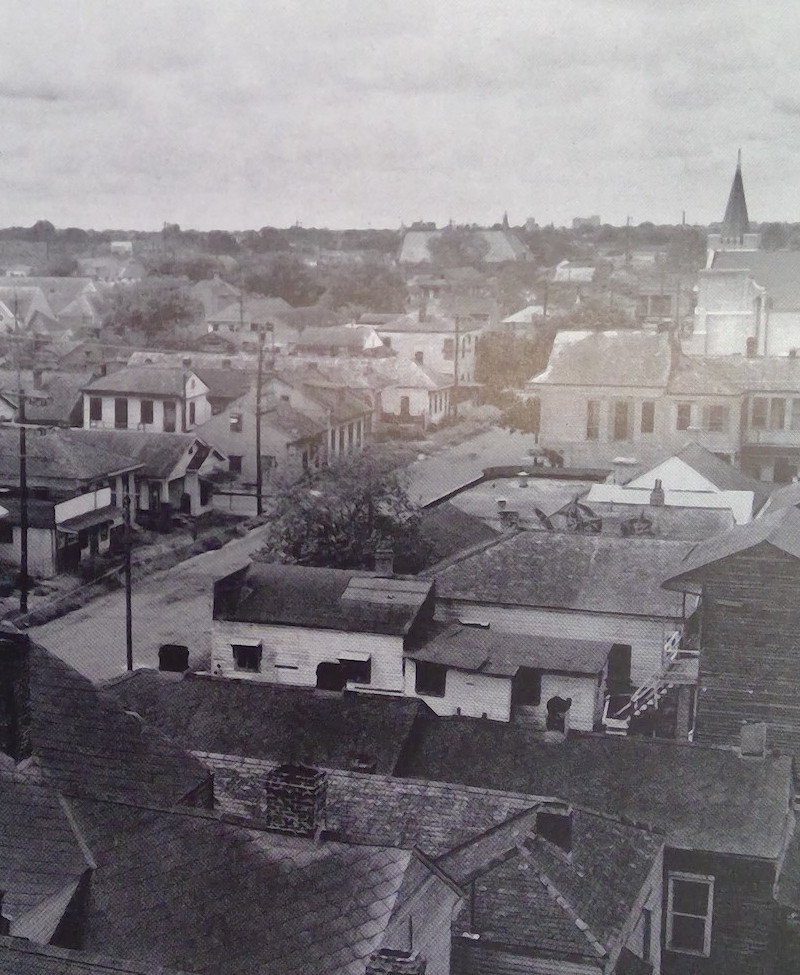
(334, 599)
(64, 455)
(589, 573)
(449, 530)
(271, 721)
(157, 453)
(722, 475)
(228, 384)
(701, 376)
(488, 651)
(291, 422)
(615, 358)
(189, 891)
(42, 857)
(18, 956)
(84, 744)
(781, 529)
(63, 392)
(145, 380)
(703, 798)
(529, 895)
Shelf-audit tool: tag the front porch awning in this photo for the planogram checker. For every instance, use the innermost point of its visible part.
(109, 515)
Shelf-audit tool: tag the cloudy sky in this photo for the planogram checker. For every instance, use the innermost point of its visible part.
(245, 113)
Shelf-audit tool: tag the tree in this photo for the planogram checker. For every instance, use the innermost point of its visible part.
(221, 242)
(153, 308)
(366, 287)
(774, 236)
(287, 277)
(340, 515)
(458, 247)
(506, 360)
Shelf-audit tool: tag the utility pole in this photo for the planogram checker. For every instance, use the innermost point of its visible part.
(455, 369)
(259, 384)
(23, 506)
(126, 518)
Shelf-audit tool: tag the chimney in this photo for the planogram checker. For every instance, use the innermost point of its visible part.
(388, 961)
(294, 800)
(657, 495)
(15, 703)
(754, 740)
(509, 520)
(423, 312)
(384, 561)
(555, 826)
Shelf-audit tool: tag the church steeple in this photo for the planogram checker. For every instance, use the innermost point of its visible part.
(735, 223)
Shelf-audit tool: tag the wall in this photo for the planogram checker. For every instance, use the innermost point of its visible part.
(304, 648)
(651, 897)
(743, 917)
(476, 695)
(646, 635)
(749, 637)
(431, 345)
(83, 503)
(564, 413)
(41, 551)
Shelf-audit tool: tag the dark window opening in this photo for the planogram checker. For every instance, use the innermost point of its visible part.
(684, 420)
(758, 419)
(147, 411)
(236, 422)
(431, 679)
(357, 671)
(526, 688)
(169, 416)
(192, 412)
(247, 657)
(648, 423)
(777, 414)
(121, 414)
(6, 533)
(689, 913)
(620, 421)
(95, 408)
(593, 419)
(235, 463)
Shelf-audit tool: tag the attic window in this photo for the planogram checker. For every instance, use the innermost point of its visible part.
(689, 908)
(236, 422)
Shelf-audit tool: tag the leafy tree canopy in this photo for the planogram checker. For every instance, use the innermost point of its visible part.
(458, 247)
(284, 276)
(508, 360)
(153, 308)
(366, 287)
(339, 516)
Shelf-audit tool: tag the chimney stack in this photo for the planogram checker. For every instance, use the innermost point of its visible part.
(15, 701)
(294, 800)
(384, 560)
(657, 495)
(388, 961)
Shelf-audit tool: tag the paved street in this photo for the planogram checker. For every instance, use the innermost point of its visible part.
(171, 606)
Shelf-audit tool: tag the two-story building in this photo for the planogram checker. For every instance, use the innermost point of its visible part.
(148, 399)
(446, 344)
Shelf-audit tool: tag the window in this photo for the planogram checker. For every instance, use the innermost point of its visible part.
(357, 671)
(419, 358)
(247, 657)
(648, 422)
(526, 688)
(777, 414)
(795, 414)
(758, 417)
(268, 462)
(95, 408)
(449, 349)
(235, 463)
(236, 423)
(192, 412)
(621, 420)
(170, 414)
(715, 418)
(593, 420)
(689, 907)
(431, 679)
(6, 533)
(147, 411)
(121, 413)
(103, 534)
(684, 418)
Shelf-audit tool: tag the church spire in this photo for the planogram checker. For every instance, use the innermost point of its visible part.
(736, 223)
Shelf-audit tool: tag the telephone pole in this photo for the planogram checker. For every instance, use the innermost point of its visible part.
(23, 506)
(126, 518)
(259, 383)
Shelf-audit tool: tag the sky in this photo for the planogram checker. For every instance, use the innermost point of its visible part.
(237, 114)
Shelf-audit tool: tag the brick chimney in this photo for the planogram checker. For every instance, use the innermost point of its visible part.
(294, 800)
(388, 961)
(657, 497)
(15, 701)
(384, 560)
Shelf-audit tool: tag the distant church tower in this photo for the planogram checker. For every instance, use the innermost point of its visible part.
(735, 234)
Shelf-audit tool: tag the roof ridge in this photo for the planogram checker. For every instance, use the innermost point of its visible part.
(562, 901)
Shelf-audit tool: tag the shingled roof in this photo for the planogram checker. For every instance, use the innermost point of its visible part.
(156, 453)
(61, 455)
(589, 573)
(142, 380)
(18, 956)
(271, 721)
(615, 358)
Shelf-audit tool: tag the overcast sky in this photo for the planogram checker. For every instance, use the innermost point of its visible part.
(245, 113)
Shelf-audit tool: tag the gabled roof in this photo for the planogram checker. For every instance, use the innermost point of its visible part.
(147, 380)
(258, 311)
(490, 652)
(721, 474)
(575, 905)
(355, 339)
(585, 573)
(271, 721)
(780, 529)
(703, 798)
(293, 423)
(223, 383)
(335, 599)
(62, 395)
(701, 376)
(616, 358)
(65, 455)
(157, 454)
(776, 271)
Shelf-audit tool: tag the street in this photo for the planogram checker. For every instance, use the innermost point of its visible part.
(171, 606)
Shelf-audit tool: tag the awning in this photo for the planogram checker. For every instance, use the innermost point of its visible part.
(356, 655)
(244, 642)
(99, 516)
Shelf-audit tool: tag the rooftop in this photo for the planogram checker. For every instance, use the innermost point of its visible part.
(271, 721)
(18, 956)
(502, 654)
(703, 798)
(624, 358)
(336, 599)
(589, 573)
(157, 453)
(142, 380)
(60, 455)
